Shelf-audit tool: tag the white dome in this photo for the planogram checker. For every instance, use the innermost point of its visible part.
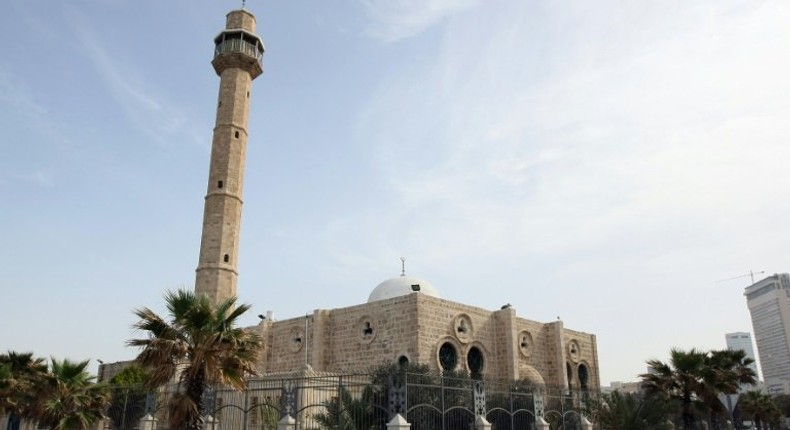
(401, 286)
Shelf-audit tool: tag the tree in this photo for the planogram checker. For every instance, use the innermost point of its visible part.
(783, 402)
(71, 401)
(128, 397)
(695, 378)
(198, 345)
(760, 409)
(131, 375)
(727, 371)
(349, 413)
(617, 411)
(21, 375)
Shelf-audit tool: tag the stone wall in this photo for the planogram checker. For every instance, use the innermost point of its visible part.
(415, 326)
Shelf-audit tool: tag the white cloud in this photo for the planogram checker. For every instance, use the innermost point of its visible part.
(610, 140)
(19, 99)
(393, 20)
(160, 119)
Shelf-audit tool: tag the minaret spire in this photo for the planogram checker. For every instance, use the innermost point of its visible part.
(238, 59)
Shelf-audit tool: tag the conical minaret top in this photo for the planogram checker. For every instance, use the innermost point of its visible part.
(238, 59)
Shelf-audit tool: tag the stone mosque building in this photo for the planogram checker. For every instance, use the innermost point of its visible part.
(405, 319)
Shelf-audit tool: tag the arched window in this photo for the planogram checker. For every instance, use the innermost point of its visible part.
(448, 356)
(584, 377)
(475, 361)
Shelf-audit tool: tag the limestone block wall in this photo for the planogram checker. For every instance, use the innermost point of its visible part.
(371, 334)
(240, 19)
(464, 327)
(535, 351)
(581, 352)
(415, 326)
(285, 345)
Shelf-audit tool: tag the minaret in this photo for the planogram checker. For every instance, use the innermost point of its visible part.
(238, 59)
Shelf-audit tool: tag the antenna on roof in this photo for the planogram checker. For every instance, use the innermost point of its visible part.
(403, 266)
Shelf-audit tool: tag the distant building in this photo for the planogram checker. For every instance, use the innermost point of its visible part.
(769, 306)
(630, 387)
(742, 341)
(107, 371)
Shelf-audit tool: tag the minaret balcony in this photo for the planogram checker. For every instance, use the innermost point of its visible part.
(238, 46)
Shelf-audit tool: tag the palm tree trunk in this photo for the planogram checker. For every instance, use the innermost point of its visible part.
(195, 390)
(688, 416)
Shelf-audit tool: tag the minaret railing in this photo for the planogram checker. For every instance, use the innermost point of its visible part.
(238, 46)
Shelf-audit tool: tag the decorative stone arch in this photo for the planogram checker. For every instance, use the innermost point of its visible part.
(530, 374)
(448, 354)
(525, 343)
(475, 359)
(402, 359)
(583, 375)
(367, 328)
(463, 328)
(296, 339)
(574, 350)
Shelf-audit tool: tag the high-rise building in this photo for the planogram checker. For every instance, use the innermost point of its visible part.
(742, 341)
(238, 59)
(769, 305)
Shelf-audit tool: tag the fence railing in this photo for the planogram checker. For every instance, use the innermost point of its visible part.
(238, 46)
(356, 402)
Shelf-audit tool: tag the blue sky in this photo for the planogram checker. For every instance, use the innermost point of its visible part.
(602, 162)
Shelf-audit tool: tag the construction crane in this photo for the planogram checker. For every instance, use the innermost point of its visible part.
(749, 275)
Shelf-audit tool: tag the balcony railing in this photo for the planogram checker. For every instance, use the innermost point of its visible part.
(238, 46)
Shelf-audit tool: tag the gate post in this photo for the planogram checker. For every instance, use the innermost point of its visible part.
(147, 422)
(210, 423)
(396, 393)
(481, 423)
(287, 423)
(289, 398)
(398, 423)
(537, 395)
(479, 398)
(586, 424)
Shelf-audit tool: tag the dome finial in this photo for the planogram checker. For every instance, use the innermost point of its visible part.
(403, 266)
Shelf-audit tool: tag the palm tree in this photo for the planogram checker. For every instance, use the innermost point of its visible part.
(70, 398)
(680, 379)
(348, 413)
(727, 371)
(760, 409)
(695, 379)
(624, 411)
(198, 345)
(20, 380)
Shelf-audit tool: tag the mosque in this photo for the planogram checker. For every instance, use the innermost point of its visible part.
(405, 319)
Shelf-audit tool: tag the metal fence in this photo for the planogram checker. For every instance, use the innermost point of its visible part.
(357, 402)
